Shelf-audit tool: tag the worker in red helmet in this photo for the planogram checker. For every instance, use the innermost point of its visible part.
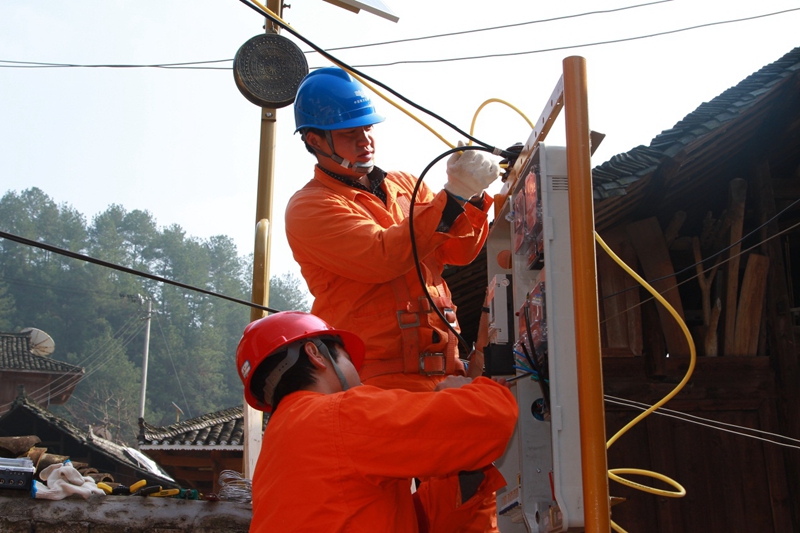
(349, 232)
(338, 456)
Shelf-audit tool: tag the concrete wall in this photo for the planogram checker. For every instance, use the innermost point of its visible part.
(120, 514)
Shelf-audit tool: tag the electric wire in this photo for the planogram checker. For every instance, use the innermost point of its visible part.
(64, 382)
(234, 487)
(264, 11)
(89, 259)
(172, 362)
(47, 286)
(192, 65)
(98, 413)
(541, 370)
(687, 280)
(99, 365)
(569, 47)
(415, 252)
(707, 422)
(715, 254)
(491, 28)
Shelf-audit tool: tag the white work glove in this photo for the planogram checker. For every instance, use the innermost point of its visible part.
(470, 172)
(63, 480)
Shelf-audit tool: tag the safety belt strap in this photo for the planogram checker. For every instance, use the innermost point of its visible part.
(412, 315)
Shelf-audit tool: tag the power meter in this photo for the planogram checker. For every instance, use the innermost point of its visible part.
(543, 464)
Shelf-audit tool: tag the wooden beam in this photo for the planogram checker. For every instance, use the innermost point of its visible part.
(619, 296)
(194, 474)
(751, 306)
(234, 458)
(736, 198)
(780, 330)
(651, 249)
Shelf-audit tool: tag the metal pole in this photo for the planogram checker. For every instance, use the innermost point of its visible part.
(597, 511)
(253, 419)
(145, 357)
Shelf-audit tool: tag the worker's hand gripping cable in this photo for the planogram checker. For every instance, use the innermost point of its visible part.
(469, 173)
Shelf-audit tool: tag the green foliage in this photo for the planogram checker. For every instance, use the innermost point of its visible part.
(287, 293)
(96, 315)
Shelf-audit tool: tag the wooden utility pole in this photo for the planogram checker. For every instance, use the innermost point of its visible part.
(145, 354)
(254, 419)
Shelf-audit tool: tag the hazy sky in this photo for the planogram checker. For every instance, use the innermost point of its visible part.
(183, 144)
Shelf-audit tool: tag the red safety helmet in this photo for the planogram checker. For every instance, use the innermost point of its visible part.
(274, 333)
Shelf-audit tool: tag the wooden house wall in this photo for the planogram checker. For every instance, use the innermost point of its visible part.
(733, 483)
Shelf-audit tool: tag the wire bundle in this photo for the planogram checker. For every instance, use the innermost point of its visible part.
(234, 487)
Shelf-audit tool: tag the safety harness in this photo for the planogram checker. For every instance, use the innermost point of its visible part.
(426, 356)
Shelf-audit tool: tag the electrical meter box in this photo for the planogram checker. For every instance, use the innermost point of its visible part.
(543, 463)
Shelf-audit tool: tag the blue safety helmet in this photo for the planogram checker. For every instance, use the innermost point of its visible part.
(330, 99)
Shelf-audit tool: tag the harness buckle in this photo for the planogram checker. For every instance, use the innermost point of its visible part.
(406, 325)
(423, 357)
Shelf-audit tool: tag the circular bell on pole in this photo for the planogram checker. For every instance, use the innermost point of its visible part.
(268, 70)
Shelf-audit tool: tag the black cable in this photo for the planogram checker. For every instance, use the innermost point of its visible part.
(415, 253)
(544, 369)
(88, 259)
(337, 61)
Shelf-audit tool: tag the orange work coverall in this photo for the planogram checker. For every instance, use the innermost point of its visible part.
(344, 461)
(355, 255)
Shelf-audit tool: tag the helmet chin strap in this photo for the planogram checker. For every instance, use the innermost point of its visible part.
(361, 168)
(324, 350)
(292, 355)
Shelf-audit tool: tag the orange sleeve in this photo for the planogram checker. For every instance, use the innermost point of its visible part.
(470, 230)
(399, 434)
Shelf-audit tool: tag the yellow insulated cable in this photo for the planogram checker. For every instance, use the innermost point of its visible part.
(499, 101)
(613, 473)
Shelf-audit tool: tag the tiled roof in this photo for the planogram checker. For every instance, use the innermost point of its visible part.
(615, 175)
(106, 447)
(223, 428)
(15, 354)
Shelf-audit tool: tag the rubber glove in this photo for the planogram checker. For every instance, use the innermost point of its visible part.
(470, 172)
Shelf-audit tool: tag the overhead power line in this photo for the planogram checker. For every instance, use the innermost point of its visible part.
(199, 65)
(568, 47)
(491, 28)
(89, 259)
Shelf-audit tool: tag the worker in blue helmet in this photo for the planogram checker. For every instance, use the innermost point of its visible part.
(329, 99)
(349, 231)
